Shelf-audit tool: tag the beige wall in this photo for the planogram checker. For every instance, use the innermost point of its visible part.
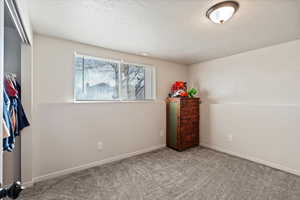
(65, 134)
(250, 108)
(251, 104)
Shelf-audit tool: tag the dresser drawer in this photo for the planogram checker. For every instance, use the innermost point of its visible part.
(192, 117)
(187, 109)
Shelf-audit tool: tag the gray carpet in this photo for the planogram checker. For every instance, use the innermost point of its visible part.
(165, 174)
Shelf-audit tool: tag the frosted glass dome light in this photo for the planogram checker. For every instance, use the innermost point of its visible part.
(223, 11)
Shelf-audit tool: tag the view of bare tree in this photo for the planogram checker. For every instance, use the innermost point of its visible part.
(97, 79)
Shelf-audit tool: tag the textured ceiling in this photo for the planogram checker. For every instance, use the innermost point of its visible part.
(175, 30)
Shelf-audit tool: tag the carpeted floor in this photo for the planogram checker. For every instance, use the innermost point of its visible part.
(195, 174)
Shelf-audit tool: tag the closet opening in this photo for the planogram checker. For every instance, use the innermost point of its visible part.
(13, 119)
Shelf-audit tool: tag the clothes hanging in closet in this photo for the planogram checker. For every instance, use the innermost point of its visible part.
(14, 117)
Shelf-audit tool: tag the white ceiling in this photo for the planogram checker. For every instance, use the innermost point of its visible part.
(175, 30)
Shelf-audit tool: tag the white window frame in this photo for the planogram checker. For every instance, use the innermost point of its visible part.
(119, 62)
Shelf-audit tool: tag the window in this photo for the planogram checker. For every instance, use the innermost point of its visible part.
(99, 79)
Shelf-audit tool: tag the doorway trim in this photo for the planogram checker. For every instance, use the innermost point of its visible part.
(1, 80)
(17, 20)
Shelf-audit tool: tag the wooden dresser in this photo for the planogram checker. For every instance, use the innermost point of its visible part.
(182, 123)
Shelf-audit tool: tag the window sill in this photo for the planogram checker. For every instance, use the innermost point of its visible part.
(118, 101)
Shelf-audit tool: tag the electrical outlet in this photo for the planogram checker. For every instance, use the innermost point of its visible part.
(230, 137)
(162, 133)
(99, 146)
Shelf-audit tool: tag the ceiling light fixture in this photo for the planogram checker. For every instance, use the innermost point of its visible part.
(223, 11)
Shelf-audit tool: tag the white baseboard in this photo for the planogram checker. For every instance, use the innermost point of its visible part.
(28, 184)
(253, 159)
(92, 164)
